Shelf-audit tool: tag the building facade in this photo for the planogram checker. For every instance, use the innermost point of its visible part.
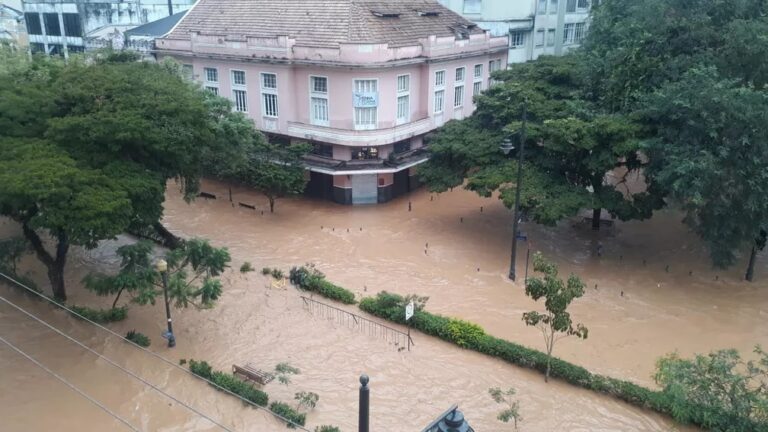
(12, 28)
(363, 81)
(59, 27)
(534, 27)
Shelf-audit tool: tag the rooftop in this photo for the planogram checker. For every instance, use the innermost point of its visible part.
(157, 28)
(326, 23)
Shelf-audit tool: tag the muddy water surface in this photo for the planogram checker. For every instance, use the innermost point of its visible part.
(462, 270)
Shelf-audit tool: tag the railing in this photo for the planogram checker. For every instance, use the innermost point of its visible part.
(359, 323)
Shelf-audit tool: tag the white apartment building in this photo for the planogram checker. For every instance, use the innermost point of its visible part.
(534, 27)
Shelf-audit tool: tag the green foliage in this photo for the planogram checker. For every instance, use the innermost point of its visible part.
(266, 270)
(718, 391)
(557, 296)
(308, 400)
(102, 316)
(193, 270)
(712, 155)
(571, 145)
(229, 382)
(11, 251)
(504, 397)
(138, 338)
(277, 273)
(289, 413)
(246, 267)
(284, 371)
(327, 428)
(309, 278)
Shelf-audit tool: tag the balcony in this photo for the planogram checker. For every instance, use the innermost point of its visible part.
(394, 163)
(363, 138)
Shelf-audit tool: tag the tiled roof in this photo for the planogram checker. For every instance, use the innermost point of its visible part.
(157, 28)
(325, 22)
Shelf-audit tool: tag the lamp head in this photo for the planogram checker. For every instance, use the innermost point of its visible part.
(161, 265)
(507, 146)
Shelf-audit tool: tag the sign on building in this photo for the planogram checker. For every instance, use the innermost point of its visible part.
(366, 99)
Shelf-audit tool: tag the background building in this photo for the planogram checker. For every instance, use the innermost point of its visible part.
(362, 80)
(62, 27)
(12, 28)
(534, 27)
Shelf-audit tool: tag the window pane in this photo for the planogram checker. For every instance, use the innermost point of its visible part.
(458, 96)
(269, 81)
(241, 100)
(403, 83)
(542, 6)
(477, 88)
(320, 109)
(212, 75)
(579, 33)
(320, 85)
(33, 23)
(52, 24)
(402, 146)
(517, 39)
(187, 71)
(439, 95)
(473, 6)
(365, 86)
(238, 77)
(553, 7)
(551, 37)
(365, 117)
(568, 31)
(72, 24)
(478, 71)
(583, 4)
(539, 38)
(460, 74)
(270, 104)
(570, 6)
(214, 90)
(440, 78)
(403, 107)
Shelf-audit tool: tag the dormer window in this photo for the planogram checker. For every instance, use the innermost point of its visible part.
(385, 14)
(428, 13)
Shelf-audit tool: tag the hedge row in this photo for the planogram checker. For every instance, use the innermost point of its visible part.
(288, 412)
(229, 382)
(101, 316)
(471, 336)
(310, 279)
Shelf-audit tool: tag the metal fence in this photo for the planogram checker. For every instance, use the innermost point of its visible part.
(354, 322)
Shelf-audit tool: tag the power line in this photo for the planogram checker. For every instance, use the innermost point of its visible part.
(70, 385)
(154, 354)
(108, 360)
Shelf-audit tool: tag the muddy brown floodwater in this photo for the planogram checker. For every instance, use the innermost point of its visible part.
(689, 308)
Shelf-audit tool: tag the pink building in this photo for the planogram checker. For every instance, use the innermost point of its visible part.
(363, 81)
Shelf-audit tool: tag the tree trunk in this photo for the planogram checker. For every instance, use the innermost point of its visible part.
(114, 303)
(170, 240)
(750, 276)
(55, 265)
(596, 218)
(546, 375)
(271, 204)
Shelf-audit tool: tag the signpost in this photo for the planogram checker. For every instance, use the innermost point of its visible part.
(408, 314)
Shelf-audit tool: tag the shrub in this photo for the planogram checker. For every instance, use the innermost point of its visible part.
(310, 279)
(101, 316)
(266, 270)
(229, 382)
(138, 338)
(246, 267)
(277, 273)
(289, 413)
(327, 428)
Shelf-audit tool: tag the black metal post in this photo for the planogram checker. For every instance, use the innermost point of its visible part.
(171, 338)
(170, 7)
(520, 157)
(365, 401)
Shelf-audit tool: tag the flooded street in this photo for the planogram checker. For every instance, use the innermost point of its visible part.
(445, 248)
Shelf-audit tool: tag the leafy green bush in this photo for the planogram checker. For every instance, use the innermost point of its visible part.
(246, 267)
(101, 316)
(266, 270)
(229, 382)
(277, 273)
(310, 279)
(289, 413)
(327, 428)
(138, 338)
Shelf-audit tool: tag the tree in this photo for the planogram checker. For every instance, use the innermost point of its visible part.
(571, 146)
(307, 400)
(44, 190)
(11, 251)
(504, 397)
(193, 271)
(718, 391)
(555, 323)
(108, 134)
(711, 152)
(274, 170)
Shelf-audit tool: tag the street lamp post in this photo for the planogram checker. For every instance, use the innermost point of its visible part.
(506, 147)
(162, 267)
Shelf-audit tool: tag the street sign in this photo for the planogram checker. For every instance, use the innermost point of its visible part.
(408, 311)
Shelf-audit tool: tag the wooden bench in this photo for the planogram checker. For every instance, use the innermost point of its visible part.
(249, 372)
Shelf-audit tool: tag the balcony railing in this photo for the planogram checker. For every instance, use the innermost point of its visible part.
(395, 162)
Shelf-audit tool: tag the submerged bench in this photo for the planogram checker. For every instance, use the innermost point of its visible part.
(250, 373)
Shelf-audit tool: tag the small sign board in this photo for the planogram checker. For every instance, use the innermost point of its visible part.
(366, 99)
(408, 311)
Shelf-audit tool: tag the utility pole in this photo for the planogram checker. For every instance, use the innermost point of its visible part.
(365, 404)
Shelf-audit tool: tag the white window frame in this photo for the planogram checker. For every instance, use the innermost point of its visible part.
(458, 95)
(442, 71)
(442, 100)
(319, 95)
(579, 6)
(269, 91)
(214, 89)
(553, 6)
(570, 6)
(474, 72)
(406, 93)
(553, 40)
(542, 10)
(375, 124)
(540, 33)
(569, 32)
(516, 39)
(579, 32)
(477, 88)
(477, 80)
(239, 87)
(463, 78)
(205, 73)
